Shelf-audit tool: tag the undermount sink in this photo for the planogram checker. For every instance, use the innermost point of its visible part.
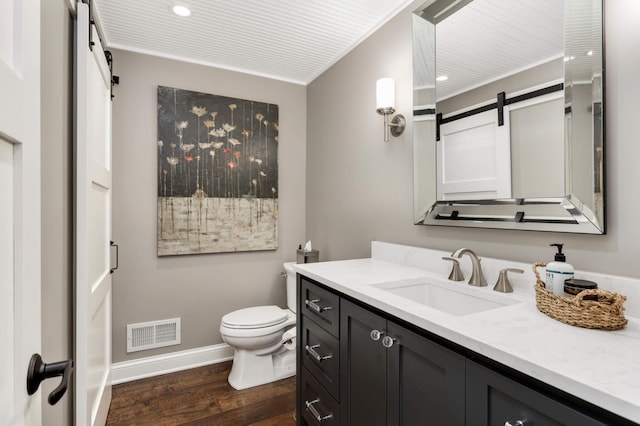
(453, 299)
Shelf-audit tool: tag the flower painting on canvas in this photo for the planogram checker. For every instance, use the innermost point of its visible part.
(217, 173)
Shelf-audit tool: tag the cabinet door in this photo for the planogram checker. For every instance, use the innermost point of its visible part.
(426, 381)
(362, 367)
(493, 399)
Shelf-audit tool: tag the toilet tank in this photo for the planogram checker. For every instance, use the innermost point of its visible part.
(291, 285)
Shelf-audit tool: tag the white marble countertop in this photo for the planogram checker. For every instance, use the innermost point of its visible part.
(601, 367)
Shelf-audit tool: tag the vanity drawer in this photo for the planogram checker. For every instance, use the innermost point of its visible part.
(317, 407)
(493, 399)
(320, 353)
(321, 305)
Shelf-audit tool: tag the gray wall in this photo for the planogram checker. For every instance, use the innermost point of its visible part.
(537, 150)
(57, 249)
(199, 289)
(360, 189)
(539, 75)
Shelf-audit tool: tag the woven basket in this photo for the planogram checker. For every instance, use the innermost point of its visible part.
(606, 312)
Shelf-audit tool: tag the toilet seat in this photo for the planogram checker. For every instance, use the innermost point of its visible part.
(256, 321)
(255, 317)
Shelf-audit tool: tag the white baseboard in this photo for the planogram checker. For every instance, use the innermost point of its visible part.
(141, 368)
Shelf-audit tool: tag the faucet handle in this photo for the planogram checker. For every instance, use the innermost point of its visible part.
(503, 283)
(456, 273)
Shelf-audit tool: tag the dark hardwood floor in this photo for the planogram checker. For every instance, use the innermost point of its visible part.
(201, 396)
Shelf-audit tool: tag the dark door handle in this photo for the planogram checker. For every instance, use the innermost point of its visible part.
(117, 256)
(39, 371)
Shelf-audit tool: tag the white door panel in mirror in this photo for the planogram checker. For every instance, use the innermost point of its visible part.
(473, 160)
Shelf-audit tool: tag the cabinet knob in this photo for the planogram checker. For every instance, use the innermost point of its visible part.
(387, 341)
(376, 335)
(517, 423)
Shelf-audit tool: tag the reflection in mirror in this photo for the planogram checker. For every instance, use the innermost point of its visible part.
(508, 121)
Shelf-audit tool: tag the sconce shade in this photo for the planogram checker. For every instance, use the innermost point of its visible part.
(386, 105)
(385, 93)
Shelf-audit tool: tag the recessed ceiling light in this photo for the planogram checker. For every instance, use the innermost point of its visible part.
(569, 58)
(181, 10)
(442, 78)
(590, 53)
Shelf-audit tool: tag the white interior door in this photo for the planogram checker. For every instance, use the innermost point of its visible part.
(473, 158)
(93, 227)
(20, 309)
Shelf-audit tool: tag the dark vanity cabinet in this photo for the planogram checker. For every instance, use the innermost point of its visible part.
(358, 368)
(392, 376)
(362, 367)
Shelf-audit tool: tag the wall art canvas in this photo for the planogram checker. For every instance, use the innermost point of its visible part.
(217, 173)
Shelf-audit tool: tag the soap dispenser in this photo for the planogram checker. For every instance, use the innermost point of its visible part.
(558, 272)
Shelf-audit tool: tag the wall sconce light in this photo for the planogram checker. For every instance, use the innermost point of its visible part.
(386, 105)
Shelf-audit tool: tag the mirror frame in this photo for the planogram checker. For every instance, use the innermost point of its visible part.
(553, 214)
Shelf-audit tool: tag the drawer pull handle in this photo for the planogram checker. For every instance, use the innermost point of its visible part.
(388, 341)
(313, 305)
(517, 423)
(376, 335)
(314, 411)
(312, 351)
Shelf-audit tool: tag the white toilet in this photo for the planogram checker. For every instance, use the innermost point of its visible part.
(264, 340)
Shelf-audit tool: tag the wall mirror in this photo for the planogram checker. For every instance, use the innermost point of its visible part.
(508, 115)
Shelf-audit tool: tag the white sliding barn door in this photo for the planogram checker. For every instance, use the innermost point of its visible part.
(474, 158)
(20, 214)
(93, 227)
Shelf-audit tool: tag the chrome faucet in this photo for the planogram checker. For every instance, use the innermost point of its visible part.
(477, 277)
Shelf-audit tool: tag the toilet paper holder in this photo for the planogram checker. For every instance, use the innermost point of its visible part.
(289, 339)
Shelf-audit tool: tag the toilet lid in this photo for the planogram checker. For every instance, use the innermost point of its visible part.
(255, 317)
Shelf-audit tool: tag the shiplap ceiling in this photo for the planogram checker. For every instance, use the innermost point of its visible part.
(289, 40)
(295, 41)
(490, 39)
